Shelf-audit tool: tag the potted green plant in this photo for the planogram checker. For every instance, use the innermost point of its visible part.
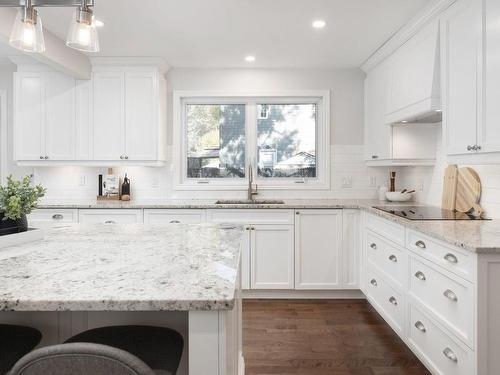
(17, 199)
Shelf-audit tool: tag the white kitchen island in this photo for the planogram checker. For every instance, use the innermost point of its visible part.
(186, 277)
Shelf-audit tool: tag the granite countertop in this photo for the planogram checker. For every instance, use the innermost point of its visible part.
(476, 236)
(131, 267)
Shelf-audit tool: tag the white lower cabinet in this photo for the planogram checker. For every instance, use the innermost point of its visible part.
(318, 247)
(272, 257)
(173, 216)
(110, 216)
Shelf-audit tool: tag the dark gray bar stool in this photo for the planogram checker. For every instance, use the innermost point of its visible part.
(160, 348)
(15, 342)
(80, 359)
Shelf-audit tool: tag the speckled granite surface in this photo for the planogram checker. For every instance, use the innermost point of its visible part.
(132, 267)
(475, 236)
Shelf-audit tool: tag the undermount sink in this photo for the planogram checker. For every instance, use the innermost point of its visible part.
(247, 201)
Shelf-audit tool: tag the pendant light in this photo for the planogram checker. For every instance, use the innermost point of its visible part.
(82, 33)
(27, 33)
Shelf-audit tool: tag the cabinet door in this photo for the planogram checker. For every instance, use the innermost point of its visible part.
(318, 246)
(461, 30)
(29, 116)
(351, 248)
(377, 133)
(489, 131)
(83, 118)
(109, 122)
(141, 116)
(272, 257)
(60, 117)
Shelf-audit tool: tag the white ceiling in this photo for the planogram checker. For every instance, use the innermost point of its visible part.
(220, 33)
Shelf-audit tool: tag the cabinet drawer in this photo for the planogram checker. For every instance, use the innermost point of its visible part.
(386, 300)
(450, 300)
(250, 216)
(436, 347)
(386, 228)
(55, 216)
(109, 216)
(460, 262)
(165, 216)
(389, 258)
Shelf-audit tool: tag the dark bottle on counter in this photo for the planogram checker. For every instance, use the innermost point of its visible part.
(126, 189)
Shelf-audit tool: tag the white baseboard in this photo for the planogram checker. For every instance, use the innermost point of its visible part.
(303, 294)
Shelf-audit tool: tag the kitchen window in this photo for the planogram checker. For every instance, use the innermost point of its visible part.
(284, 138)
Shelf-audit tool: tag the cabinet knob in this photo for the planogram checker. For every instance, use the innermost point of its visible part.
(420, 275)
(57, 217)
(420, 244)
(450, 295)
(175, 222)
(393, 258)
(420, 326)
(374, 282)
(373, 246)
(470, 148)
(126, 157)
(110, 222)
(477, 148)
(451, 258)
(448, 353)
(297, 213)
(393, 300)
(46, 157)
(374, 156)
(41, 157)
(121, 157)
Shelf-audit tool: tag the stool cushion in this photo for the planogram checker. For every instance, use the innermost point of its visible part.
(160, 348)
(15, 342)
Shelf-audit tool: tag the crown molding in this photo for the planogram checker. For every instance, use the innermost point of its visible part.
(130, 61)
(429, 14)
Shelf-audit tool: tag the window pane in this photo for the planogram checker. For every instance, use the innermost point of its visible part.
(286, 140)
(215, 140)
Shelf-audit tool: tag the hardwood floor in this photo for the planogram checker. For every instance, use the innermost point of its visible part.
(322, 337)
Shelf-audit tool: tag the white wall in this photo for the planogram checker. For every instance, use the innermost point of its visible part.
(432, 180)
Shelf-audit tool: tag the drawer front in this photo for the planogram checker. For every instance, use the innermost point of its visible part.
(460, 262)
(161, 216)
(250, 216)
(386, 300)
(389, 258)
(53, 216)
(436, 347)
(451, 301)
(386, 228)
(119, 216)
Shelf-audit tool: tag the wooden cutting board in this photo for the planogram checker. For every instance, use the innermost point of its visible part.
(468, 191)
(450, 188)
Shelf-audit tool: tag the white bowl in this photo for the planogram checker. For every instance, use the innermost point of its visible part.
(396, 196)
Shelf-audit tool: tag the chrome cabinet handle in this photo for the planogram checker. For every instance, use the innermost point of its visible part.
(420, 244)
(373, 246)
(420, 275)
(57, 217)
(451, 258)
(448, 353)
(175, 222)
(420, 326)
(110, 222)
(374, 282)
(393, 258)
(450, 295)
(393, 300)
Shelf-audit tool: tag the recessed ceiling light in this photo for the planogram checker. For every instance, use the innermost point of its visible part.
(250, 58)
(319, 24)
(404, 121)
(439, 110)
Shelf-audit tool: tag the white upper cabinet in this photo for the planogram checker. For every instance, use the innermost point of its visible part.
(489, 132)
(414, 88)
(109, 116)
(29, 116)
(377, 133)
(118, 116)
(44, 116)
(461, 34)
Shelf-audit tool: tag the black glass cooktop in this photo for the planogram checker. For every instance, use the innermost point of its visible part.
(426, 213)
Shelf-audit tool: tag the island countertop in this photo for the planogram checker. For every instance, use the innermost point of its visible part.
(131, 267)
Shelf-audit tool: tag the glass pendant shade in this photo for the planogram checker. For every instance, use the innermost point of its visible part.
(27, 32)
(82, 33)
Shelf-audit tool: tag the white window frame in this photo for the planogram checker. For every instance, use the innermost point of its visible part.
(319, 97)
